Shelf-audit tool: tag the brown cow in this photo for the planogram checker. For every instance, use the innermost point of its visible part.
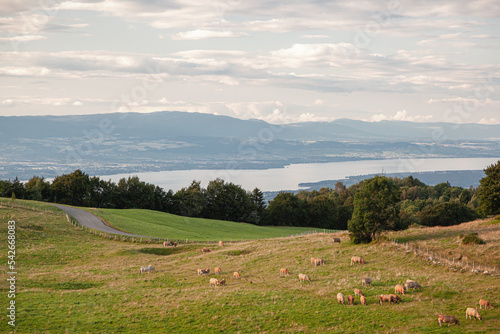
(214, 282)
(357, 259)
(304, 277)
(399, 289)
(222, 281)
(340, 298)
(205, 250)
(396, 298)
(358, 292)
(318, 262)
(217, 270)
(386, 298)
(236, 275)
(448, 319)
(313, 260)
(350, 299)
(336, 240)
(363, 300)
(203, 271)
(366, 282)
(169, 243)
(485, 303)
(472, 312)
(221, 243)
(284, 271)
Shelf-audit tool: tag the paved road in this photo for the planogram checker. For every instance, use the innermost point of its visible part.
(89, 220)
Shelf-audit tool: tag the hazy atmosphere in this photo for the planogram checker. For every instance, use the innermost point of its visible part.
(277, 61)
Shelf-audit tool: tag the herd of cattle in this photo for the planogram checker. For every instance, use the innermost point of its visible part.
(365, 282)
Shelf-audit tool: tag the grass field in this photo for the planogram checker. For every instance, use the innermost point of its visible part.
(164, 225)
(70, 281)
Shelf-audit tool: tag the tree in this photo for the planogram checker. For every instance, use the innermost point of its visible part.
(489, 190)
(375, 209)
(446, 214)
(286, 209)
(73, 189)
(323, 212)
(37, 189)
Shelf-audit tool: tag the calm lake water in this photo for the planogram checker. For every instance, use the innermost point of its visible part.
(289, 177)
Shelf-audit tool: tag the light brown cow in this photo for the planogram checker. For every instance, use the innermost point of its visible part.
(313, 260)
(169, 243)
(318, 262)
(203, 271)
(205, 250)
(399, 289)
(217, 270)
(336, 240)
(472, 312)
(304, 277)
(363, 300)
(236, 275)
(386, 298)
(284, 271)
(214, 282)
(448, 319)
(485, 303)
(350, 299)
(221, 243)
(366, 281)
(358, 292)
(340, 298)
(357, 259)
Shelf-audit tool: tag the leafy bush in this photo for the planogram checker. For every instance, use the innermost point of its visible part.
(447, 214)
(472, 238)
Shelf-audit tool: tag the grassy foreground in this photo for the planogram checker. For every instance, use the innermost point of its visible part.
(70, 281)
(165, 225)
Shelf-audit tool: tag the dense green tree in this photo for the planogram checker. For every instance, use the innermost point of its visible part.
(37, 189)
(323, 212)
(446, 214)
(489, 190)
(257, 207)
(190, 201)
(287, 209)
(226, 201)
(72, 189)
(375, 209)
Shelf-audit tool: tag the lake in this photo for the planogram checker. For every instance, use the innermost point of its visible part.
(289, 177)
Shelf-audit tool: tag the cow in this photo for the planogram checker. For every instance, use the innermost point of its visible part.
(485, 303)
(313, 260)
(318, 262)
(222, 281)
(205, 250)
(386, 298)
(236, 275)
(284, 271)
(363, 300)
(202, 272)
(304, 277)
(217, 270)
(409, 284)
(334, 240)
(169, 243)
(448, 319)
(399, 289)
(149, 269)
(472, 312)
(357, 259)
(340, 298)
(366, 281)
(214, 282)
(396, 298)
(358, 292)
(350, 299)
(221, 243)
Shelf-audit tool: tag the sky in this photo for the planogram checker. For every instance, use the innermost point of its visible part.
(279, 61)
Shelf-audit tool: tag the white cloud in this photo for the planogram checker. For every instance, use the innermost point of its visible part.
(202, 34)
(401, 115)
(489, 121)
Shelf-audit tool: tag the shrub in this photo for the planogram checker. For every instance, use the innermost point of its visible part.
(472, 238)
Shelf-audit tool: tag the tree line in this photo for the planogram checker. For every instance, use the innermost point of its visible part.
(365, 209)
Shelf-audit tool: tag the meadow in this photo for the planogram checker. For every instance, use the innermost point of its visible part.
(71, 281)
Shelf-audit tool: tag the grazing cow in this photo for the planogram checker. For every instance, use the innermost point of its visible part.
(409, 284)
(448, 319)
(386, 298)
(205, 250)
(284, 271)
(203, 271)
(217, 270)
(336, 240)
(304, 277)
(472, 312)
(318, 262)
(357, 259)
(366, 282)
(222, 281)
(149, 269)
(313, 260)
(396, 298)
(221, 243)
(399, 289)
(350, 299)
(169, 243)
(485, 303)
(214, 282)
(236, 274)
(358, 292)
(340, 298)
(363, 300)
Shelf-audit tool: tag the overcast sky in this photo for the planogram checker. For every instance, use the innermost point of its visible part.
(279, 61)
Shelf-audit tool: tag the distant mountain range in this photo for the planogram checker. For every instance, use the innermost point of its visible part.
(136, 142)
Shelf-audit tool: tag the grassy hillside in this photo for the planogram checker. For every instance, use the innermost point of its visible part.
(70, 281)
(165, 225)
